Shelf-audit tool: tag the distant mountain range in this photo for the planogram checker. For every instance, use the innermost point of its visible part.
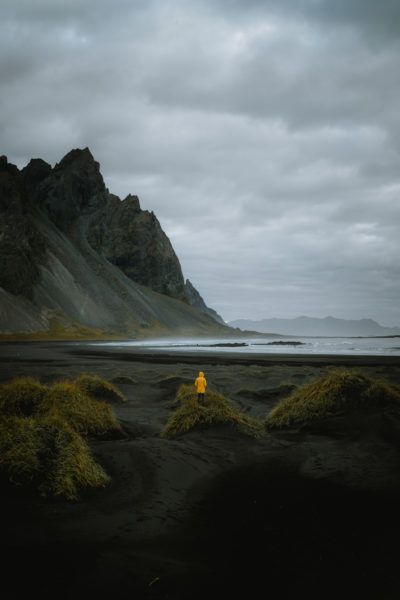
(309, 326)
(78, 262)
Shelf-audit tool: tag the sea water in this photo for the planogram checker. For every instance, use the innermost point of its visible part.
(372, 346)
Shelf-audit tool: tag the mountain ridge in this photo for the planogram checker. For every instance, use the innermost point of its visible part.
(313, 326)
(76, 260)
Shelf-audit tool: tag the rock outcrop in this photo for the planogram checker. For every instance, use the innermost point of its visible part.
(74, 189)
(22, 246)
(133, 240)
(197, 301)
(75, 257)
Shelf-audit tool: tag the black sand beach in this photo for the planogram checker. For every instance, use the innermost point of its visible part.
(311, 511)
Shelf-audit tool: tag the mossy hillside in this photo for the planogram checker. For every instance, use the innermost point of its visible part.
(61, 328)
(341, 391)
(41, 436)
(216, 410)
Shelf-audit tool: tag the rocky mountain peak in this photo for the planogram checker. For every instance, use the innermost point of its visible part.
(35, 172)
(68, 247)
(74, 188)
(21, 244)
(6, 167)
(77, 158)
(132, 202)
(10, 187)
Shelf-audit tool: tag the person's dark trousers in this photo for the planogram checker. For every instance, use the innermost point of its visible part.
(200, 398)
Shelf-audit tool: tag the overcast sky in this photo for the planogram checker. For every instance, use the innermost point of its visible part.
(265, 136)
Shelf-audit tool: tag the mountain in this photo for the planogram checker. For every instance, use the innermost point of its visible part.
(76, 261)
(197, 301)
(304, 326)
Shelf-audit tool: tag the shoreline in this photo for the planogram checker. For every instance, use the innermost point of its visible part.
(20, 351)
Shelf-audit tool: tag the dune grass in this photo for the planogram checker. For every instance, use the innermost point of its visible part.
(22, 397)
(338, 392)
(42, 431)
(99, 388)
(85, 414)
(216, 410)
(45, 454)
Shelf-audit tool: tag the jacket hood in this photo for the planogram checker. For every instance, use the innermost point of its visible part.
(201, 374)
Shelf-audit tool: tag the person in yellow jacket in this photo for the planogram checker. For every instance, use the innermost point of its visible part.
(201, 385)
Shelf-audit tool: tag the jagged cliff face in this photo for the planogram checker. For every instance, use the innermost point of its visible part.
(132, 239)
(74, 189)
(125, 235)
(73, 252)
(22, 247)
(197, 301)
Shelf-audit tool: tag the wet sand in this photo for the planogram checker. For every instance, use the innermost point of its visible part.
(311, 510)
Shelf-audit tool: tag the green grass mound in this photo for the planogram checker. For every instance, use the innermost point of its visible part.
(99, 388)
(46, 454)
(216, 410)
(41, 436)
(71, 401)
(82, 412)
(339, 392)
(22, 397)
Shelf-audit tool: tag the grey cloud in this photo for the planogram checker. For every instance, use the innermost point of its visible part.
(377, 20)
(305, 84)
(264, 136)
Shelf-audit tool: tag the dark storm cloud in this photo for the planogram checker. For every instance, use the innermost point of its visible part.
(264, 135)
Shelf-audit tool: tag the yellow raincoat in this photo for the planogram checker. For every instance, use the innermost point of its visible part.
(201, 383)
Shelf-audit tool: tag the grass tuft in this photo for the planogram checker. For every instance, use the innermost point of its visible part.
(216, 410)
(82, 412)
(22, 396)
(41, 429)
(339, 392)
(72, 466)
(46, 454)
(99, 388)
(20, 449)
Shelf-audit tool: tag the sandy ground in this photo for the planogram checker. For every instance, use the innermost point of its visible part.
(313, 511)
